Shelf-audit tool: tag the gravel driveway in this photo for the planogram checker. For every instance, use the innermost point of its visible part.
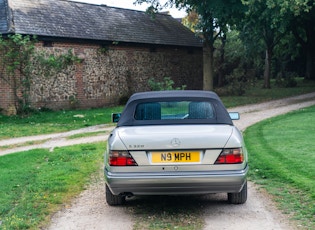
(90, 211)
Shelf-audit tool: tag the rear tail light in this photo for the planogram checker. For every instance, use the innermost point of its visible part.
(121, 158)
(230, 156)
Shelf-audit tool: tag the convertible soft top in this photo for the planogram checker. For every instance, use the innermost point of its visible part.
(174, 93)
(129, 116)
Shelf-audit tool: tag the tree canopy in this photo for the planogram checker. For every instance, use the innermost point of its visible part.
(214, 17)
(277, 33)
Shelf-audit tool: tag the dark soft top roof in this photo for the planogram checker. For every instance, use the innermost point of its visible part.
(127, 117)
(174, 93)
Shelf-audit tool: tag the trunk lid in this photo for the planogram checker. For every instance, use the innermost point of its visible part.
(175, 137)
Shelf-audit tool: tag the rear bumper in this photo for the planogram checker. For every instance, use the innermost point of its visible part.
(176, 183)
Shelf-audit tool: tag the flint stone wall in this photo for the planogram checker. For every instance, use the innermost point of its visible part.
(107, 75)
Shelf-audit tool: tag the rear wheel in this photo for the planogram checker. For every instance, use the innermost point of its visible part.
(239, 197)
(112, 199)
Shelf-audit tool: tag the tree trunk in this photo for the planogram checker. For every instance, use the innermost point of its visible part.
(221, 77)
(208, 71)
(308, 68)
(267, 71)
(310, 49)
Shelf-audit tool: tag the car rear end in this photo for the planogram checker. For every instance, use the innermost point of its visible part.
(184, 160)
(174, 154)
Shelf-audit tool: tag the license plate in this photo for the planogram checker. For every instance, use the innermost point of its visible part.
(175, 157)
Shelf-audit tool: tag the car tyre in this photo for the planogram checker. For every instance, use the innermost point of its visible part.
(112, 199)
(239, 197)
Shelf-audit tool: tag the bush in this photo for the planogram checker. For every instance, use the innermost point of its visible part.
(166, 84)
(289, 81)
(237, 82)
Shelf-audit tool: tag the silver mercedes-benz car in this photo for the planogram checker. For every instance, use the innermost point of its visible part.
(175, 143)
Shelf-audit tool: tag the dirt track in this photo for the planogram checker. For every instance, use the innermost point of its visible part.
(89, 210)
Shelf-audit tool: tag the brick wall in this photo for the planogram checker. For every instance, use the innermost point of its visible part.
(6, 99)
(107, 74)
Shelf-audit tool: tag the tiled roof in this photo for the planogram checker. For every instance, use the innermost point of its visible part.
(3, 16)
(68, 19)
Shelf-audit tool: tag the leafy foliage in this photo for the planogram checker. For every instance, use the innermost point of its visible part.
(166, 84)
(52, 64)
(16, 66)
(20, 64)
(212, 23)
(279, 35)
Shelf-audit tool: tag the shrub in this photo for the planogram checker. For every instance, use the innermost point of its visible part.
(166, 84)
(289, 81)
(237, 82)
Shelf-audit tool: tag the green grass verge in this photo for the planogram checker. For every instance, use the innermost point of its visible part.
(282, 159)
(35, 183)
(53, 121)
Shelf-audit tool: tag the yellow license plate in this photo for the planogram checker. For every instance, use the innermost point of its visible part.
(176, 157)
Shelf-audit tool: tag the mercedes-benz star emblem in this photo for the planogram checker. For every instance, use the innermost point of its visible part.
(175, 142)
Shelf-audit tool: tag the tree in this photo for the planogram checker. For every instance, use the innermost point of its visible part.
(191, 21)
(16, 51)
(273, 21)
(302, 25)
(264, 22)
(20, 64)
(214, 17)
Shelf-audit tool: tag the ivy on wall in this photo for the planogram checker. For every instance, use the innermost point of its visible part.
(19, 65)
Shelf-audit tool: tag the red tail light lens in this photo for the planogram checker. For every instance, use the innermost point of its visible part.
(121, 158)
(231, 156)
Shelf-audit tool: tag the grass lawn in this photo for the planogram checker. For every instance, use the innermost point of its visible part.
(282, 158)
(35, 183)
(54, 121)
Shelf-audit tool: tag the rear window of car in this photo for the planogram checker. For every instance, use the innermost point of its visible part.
(174, 110)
